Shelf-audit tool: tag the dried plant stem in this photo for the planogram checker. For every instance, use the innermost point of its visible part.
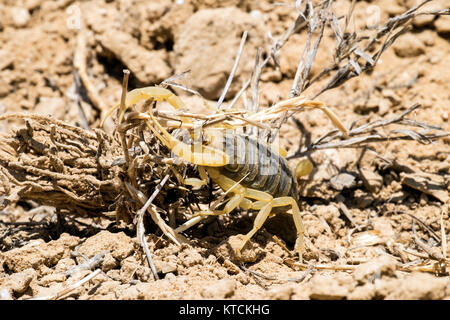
(70, 288)
(79, 63)
(362, 135)
(233, 71)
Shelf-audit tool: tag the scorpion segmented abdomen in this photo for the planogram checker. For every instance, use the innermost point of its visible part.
(258, 166)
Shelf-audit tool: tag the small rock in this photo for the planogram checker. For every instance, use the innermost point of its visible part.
(19, 282)
(109, 262)
(430, 184)
(207, 44)
(384, 106)
(37, 254)
(144, 274)
(128, 269)
(50, 279)
(442, 24)
(428, 37)
(5, 295)
(118, 244)
(190, 257)
(423, 199)
(398, 197)
(170, 276)
(230, 267)
(423, 20)
(165, 267)
(221, 289)
(372, 180)
(341, 181)
(64, 265)
(149, 67)
(416, 286)
(362, 199)
(408, 45)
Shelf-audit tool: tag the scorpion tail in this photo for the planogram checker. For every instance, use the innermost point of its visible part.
(196, 153)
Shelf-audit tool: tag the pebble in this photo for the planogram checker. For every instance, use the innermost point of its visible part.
(165, 267)
(5, 295)
(342, 181)
(372, 180)
(19, 282)
(444, 115)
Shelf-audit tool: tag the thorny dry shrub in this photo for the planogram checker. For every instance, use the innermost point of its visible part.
(59, 165)
(79, 172)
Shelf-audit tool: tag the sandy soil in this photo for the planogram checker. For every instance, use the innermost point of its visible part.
(361, 242)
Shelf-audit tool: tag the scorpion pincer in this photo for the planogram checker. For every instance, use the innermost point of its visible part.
(253, 174)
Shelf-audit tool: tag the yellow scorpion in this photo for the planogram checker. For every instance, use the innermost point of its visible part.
(253, 174)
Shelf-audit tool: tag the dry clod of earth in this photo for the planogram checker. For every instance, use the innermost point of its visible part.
(118, 244)
(382, 266)
(416, 286)
(442, 24)
(221, 289)
(328, 287)
(127, 49)
(38, 254)
(409, 45)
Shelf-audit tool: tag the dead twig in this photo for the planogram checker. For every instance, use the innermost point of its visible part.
(363, 135)
(233, 70)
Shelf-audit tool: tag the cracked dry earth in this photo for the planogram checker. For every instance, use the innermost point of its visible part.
(358, 210)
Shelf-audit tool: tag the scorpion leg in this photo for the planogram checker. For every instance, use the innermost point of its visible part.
(196, 153)
(234, 202)
(226, 184)
(264, 214)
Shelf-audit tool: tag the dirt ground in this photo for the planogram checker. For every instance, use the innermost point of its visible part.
(369, 233)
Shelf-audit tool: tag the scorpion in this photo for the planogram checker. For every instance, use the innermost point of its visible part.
(253, 174)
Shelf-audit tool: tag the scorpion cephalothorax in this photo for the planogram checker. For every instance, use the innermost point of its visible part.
(254, 174)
